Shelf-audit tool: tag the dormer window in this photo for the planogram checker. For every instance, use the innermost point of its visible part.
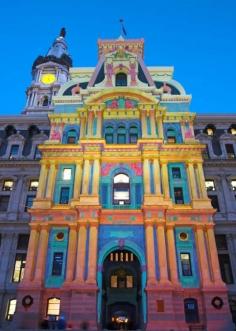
(210, 130)
(14, 151)
(45, 101)
(121, 79)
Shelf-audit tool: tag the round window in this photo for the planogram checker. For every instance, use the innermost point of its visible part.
(183, 236)
(60, 236)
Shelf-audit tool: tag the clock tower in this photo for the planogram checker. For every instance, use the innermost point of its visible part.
(48, 74)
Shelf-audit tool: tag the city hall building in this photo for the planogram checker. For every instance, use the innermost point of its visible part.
(121, 219)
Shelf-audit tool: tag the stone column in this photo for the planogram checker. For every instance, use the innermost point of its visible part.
(96, 176)
(77, 181)
(82, 127)
(86, 176)
(153, 123)
(162, 256)
(150, 251)
(16, 195)
(201, 180)
(81, 252)
(144, 123)
(51, 180)
(146, 176)
(92, 259)
(160, 127)
(172, 255)
(70, 268)
(203, 260)
(157, 177)
(31, 254)
(42, 180)
(165, 180)
(41, 256)
(213, 255)
(90, 124)
(192, 181)
(99, 124)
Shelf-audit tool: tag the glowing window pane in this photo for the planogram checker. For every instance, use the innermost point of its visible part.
(233, 184)
(210, 186)
(54, 306)
(129, 281)
(11, 309)
(7, 185)
(114, 281)
(33, 185)
(119, 195)
(121, 178)
(67, 174)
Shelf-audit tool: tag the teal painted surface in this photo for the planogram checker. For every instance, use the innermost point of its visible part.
(56, 246)
(175, 107)
(175, 126)
(66, 108)
(60, 182)
(187, 246)
(136, 189)
(148, 125)
(179, 182)
(67, 133)
(95, 121)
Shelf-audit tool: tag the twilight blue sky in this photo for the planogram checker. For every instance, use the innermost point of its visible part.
(197, 37)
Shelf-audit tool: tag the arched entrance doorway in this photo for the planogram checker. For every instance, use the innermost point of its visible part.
(121, 291)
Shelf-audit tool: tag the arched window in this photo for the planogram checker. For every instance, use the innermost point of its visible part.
(210, 130)
(121, 189)
(33, 130)
(121, 79)
(71, 137)
(45, 101)
(171, 136)
(191, 310)
(232, 129)
(53, 308)
(109, 135)
(10, 130)
(133, 134)
(121, 135)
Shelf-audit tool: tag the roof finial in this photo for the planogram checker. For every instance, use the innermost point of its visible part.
(63, 32)
(122, 28)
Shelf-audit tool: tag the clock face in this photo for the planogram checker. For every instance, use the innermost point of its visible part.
(48, 78)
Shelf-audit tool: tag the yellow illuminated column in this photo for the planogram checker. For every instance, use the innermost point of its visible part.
(82, 127)
(81, 252)
(92, 260)
(86, 176)
(172, 255)
(204, 267)
(31, 254)
(162, 257)
(160, 127)
(90, 124)
(144, 123)
(41, 256)
(51, 180)
(150, 250)
(214, 255)
(201, 180)
(99, 124)
(77, 181)
(146, 175)
(96, 176)
(165, 180)
(153, 123)
(192, 181)
(157, 177)
(42, 180)
(71, 253)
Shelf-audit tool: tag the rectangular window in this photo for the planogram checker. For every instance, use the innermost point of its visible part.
(121, 139)
(23, 240)
(113, 281)
(4, 201)
(29, 202)
(129, 281)
(230, 151)
(11, 308)
(109, 138)
(64, 196)
(14, 151)
(71, 140)
(210, 185)
(176, 173)
(53, 307)
(33, 185)
(225, 267)
(214, 202)
(57, 264)
(233, 185)
(221, 242)
(7, 185)
(19, 267)
(179, 197)
(66, 174)
(171, 140)
(186, 264)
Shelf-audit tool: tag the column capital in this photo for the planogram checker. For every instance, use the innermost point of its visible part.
(44, 227)
(149, 221)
